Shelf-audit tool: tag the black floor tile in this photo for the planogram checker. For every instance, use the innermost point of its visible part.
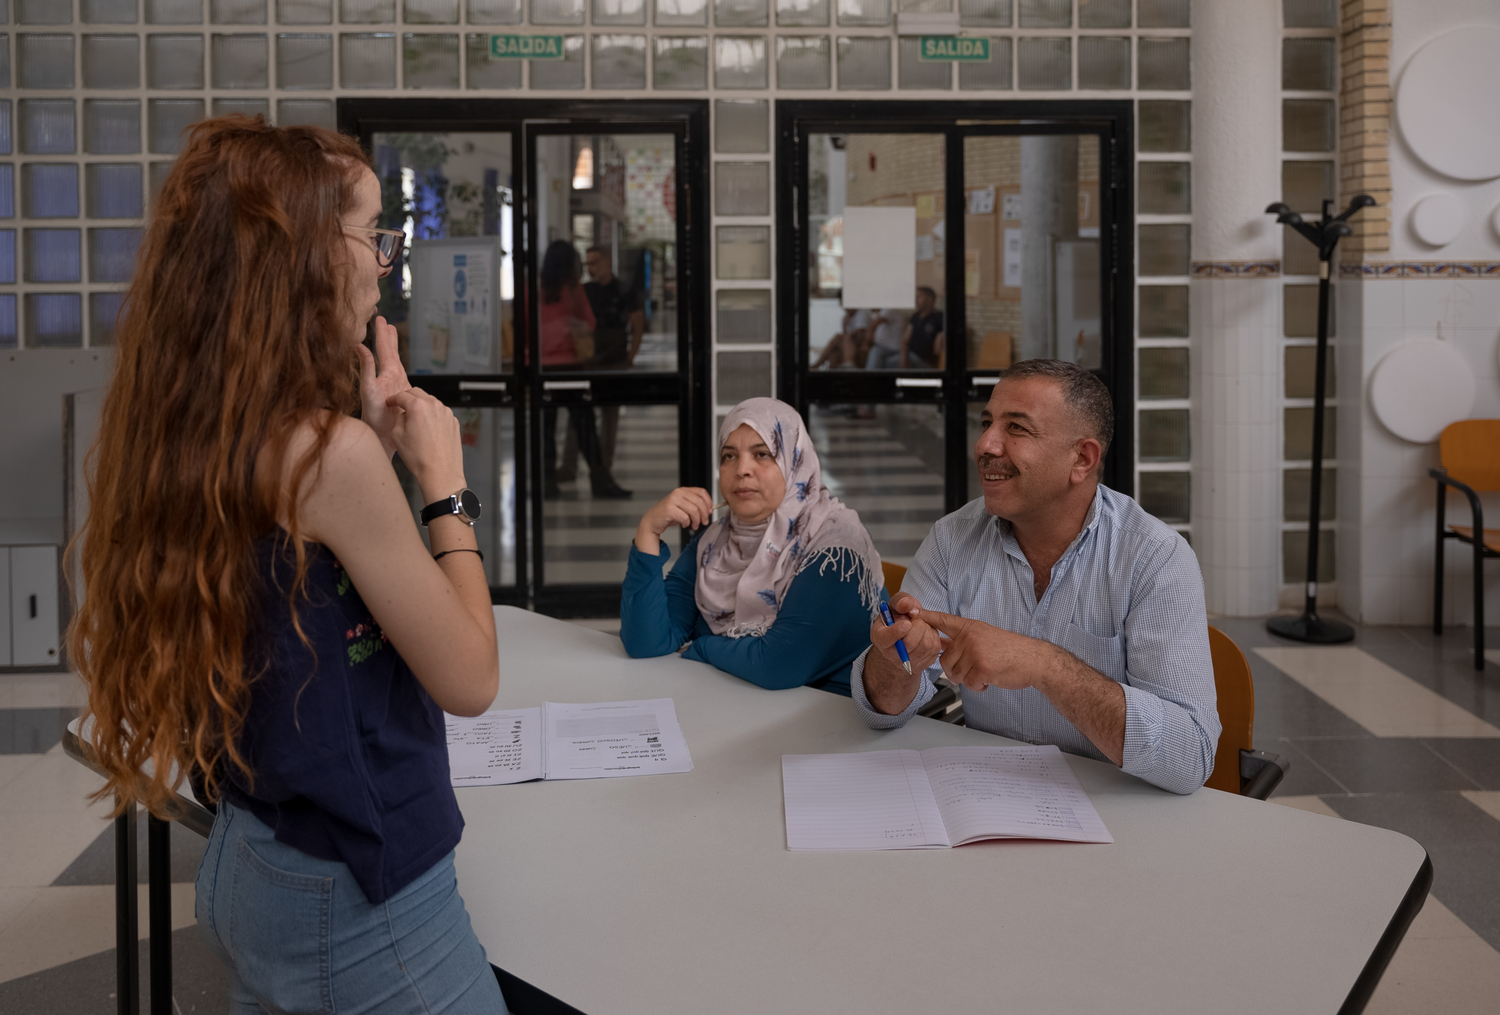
(1463, 841)
(86, 986)
(1444, 664)
(1477, 758)
(96, 864)
(32, 730)
(1304, 778)
(1384, 765)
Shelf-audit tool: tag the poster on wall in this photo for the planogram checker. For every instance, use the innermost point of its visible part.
(454, 321)
(880, 258)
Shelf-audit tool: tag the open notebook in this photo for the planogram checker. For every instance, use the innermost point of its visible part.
(943, 796)
(595, 741)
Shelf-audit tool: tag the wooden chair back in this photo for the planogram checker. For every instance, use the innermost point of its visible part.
(1236, 693)
(894, 574)
(1471, 452)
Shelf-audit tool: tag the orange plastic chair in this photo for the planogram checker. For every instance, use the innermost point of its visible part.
(1238, 766)
(894, 574)
(1470, 451)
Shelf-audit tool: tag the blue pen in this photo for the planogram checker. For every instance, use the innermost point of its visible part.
(885, 612)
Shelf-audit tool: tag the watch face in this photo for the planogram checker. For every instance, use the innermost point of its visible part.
(468, 500)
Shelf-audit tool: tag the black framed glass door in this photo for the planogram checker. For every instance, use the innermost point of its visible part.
(614, 278)
(577, 411)
(925, 247)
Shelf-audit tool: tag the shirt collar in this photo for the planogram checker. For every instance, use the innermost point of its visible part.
(1090, 523)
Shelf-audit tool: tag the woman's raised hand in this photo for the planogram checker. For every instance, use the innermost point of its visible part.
(688, 506)
(426, 435)
(378, 382)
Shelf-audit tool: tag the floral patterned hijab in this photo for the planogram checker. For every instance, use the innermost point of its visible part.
(745, 571)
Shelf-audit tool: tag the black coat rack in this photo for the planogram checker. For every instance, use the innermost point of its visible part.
(1324, 235)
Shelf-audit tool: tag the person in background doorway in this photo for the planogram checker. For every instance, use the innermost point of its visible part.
(781, 589)
(566, 323)
(886, 331)
(619, 323)
(922, 342)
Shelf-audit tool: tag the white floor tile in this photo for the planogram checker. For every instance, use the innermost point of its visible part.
(12, 765)
(1382, 700)
(64, 923)
(1311, 804)
(48, 820)
(1493, 655)
(42, 690)
(13, 902)
(1441, 966)
(1486, 800)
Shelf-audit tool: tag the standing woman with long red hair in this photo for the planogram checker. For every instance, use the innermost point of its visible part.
(258, 606)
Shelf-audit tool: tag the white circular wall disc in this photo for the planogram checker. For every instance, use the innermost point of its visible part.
(1437, 219)
(1420, 387)
(1446, 103)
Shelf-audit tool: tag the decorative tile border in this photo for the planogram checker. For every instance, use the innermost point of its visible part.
(1421, 269)
(1236, 269)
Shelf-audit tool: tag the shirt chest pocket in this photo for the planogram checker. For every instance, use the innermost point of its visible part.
(1107, 655)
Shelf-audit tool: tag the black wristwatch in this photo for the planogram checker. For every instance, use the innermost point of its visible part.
(464, 503)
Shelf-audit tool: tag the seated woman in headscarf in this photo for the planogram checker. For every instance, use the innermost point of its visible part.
(779, 591)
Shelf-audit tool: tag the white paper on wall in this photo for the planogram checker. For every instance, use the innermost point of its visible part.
(1013, 258)
(880, 258)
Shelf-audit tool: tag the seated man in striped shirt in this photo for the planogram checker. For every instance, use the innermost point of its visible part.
(1065, 613)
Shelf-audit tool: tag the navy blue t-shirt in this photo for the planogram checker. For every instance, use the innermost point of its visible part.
(349, 753)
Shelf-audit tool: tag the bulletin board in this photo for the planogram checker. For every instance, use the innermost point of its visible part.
(455, 316)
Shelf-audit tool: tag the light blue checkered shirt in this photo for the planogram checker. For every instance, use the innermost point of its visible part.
(1126, 597)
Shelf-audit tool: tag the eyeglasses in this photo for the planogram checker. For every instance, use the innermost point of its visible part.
(386, 241)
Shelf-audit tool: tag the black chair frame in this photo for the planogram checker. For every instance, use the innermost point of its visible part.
(1481, 554)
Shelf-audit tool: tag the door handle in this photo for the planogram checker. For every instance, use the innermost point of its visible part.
(33, 607)
(483, 385)
(566, 385)
(982, 382)
(919, 382)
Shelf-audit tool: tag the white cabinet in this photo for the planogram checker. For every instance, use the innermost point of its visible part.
(34, 629)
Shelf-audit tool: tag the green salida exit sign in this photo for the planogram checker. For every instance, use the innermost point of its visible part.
(953, 49)
(526, 47)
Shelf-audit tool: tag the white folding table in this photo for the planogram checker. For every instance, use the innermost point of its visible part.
(676, 893)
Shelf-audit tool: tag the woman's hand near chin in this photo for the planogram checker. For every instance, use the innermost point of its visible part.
(688, 506)
(379, 381)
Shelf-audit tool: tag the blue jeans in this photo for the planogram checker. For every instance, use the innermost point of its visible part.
(298, 935)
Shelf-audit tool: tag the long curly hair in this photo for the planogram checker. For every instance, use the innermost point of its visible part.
(233, 335)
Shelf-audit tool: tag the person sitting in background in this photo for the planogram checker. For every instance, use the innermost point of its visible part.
(886, 329)
(1065, 612)
(780, 591)
(844, 350)
(922, 342)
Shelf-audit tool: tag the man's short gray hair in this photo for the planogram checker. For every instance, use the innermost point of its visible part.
(1084, 393)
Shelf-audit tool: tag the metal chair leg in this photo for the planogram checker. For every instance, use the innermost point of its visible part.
(159, 891)
(1479, 594)
(127, 926)
(1437, 579)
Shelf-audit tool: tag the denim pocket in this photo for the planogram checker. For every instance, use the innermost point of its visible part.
(279, 931)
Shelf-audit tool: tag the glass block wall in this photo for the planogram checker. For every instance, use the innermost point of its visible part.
(96, 94)
(1309, 136)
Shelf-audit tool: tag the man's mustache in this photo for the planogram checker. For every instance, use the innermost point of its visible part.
(991, 464)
